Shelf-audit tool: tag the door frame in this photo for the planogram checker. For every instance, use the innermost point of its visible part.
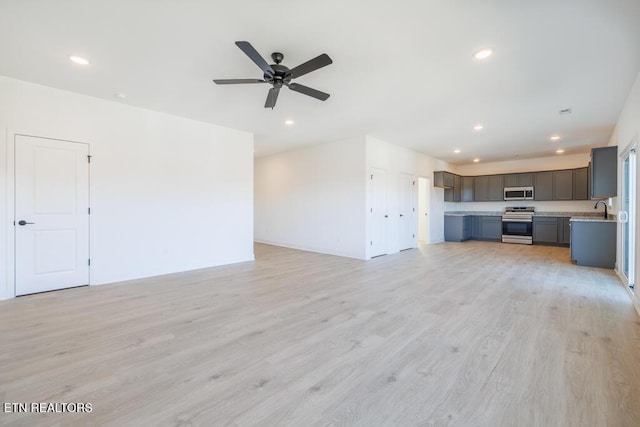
(10, 278)
(627, 281)
(426, 196)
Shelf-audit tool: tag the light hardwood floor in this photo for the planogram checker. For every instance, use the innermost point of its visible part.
(472, 334)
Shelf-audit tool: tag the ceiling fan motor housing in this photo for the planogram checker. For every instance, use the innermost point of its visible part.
(281, 76)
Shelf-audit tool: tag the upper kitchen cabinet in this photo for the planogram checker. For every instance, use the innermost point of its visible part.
(581, 184)
(488, 188)
(443, 179)
(452, 194)
(563, 185)
(543, 186)
(467, 188)
(481, 189)
(604, 172)
(496, 187)
(518, 180)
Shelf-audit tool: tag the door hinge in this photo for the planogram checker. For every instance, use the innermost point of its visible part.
(371, 243)
(89, 211)
(89, 261)
(89, 158)
(414, 236)
(414, 183)
(371, 177)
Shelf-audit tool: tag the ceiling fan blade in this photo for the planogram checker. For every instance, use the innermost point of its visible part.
(309, 91)
(236, 81)
(311, 65)
(252, 53)
(272, 97)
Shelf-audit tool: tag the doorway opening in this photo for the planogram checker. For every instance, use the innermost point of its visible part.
(424, 190)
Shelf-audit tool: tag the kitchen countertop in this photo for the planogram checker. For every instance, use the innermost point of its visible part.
(474, 213)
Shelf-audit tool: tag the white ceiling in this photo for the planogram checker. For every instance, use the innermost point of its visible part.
(403, 71)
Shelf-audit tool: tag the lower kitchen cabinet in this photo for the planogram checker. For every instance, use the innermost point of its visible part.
(491, 228)
(551, 230)
(457, 228)
(593, 243)
(545, 230)
(564, 231)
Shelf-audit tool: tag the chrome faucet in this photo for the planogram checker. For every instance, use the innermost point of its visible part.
(605, 207)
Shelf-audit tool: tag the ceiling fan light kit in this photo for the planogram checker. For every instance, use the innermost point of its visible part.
(278, 75)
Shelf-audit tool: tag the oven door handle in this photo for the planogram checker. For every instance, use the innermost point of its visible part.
(516, 220)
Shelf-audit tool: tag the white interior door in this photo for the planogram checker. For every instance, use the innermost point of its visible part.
(378, 211)
(407, 210)
(51, 214)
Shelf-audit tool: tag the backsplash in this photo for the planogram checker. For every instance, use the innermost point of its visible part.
(549, 206)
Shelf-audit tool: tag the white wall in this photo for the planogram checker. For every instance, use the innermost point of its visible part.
(626, 132)
(313, 198)
(167, 194)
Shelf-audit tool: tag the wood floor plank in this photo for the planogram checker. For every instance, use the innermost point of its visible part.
(450, 334)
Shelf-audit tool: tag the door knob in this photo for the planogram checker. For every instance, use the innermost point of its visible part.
(23, 222)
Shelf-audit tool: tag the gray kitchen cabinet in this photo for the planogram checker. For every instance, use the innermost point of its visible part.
(564, 231)
(563, 185)
(452, 194)
(518, 180)
(481, 189)
(545, 230)
(467, 189)
(581, 184)
(593, 243)
(543, 186)
(443, 179)
(604, 172)
(491, 228)
(476, 227)
(457, 228)
(496, 187)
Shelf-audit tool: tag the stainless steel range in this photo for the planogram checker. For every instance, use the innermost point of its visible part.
(517, 225)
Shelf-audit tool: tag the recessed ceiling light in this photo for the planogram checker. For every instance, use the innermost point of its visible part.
(79, 60)
(483, 53)
(289, 122)
(560, 151)
(476, 160)
(456, 151)
(478, 127)
(555, 137)
(120, 95)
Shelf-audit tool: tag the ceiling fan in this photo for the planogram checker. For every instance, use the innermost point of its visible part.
(278, 75)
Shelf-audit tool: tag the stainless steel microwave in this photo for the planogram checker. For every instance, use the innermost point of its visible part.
(518, 193)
